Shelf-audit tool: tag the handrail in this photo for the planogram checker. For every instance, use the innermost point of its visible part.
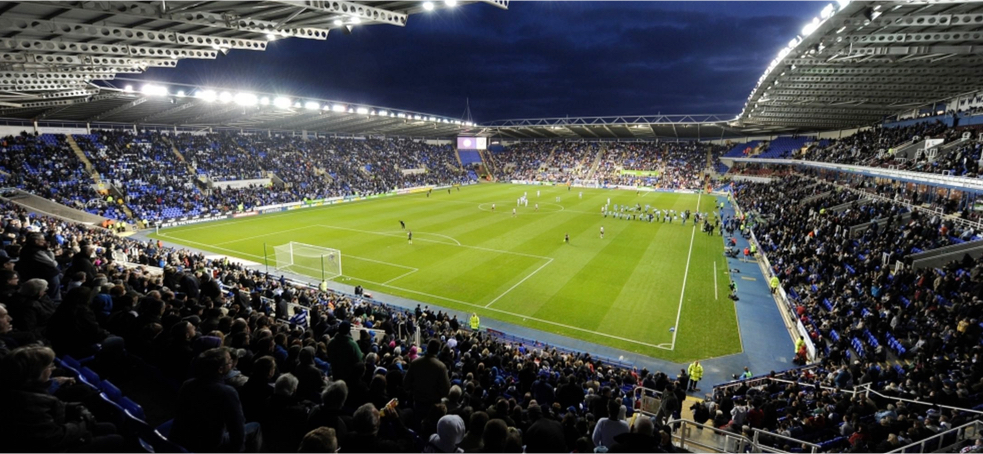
(961, 430)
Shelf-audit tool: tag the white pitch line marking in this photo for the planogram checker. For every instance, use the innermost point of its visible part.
(689, 256)
(438, 242)
(659, 346)
(260, 236)
(400, 276)
(715, 279)
(518, 283)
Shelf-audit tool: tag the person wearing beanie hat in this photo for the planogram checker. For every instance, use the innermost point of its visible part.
(450, 432)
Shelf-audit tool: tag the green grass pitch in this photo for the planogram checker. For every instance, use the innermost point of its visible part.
(625, 290)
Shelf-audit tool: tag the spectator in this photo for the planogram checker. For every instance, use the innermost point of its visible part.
(209, 415)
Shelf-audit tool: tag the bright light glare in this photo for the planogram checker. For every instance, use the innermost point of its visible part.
(128, 88)
(356, 20)
(154, 90)
(338, 108)
(180, 93)
(264, 101)
(362, 111)
(225, 97)
(383, 113)
(338, 22)
(246, 99)
(401, 115)
(827, 11)
(428, 6)
(281, 102)
(451, 3)
(207, 95)
(311, 105)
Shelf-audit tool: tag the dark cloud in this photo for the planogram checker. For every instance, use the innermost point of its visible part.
(548, 59)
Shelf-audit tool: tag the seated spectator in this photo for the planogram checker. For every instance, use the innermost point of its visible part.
(320, 440)
(35, 421)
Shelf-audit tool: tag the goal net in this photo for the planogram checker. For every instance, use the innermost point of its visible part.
(308, 260)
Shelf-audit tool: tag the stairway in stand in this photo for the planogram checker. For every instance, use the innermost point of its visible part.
(596, 164)
(85, 159)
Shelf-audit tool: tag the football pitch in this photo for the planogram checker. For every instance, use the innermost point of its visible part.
(651, 288)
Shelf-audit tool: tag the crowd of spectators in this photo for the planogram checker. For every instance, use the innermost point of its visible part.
(859, 311)
(246, 377)
(46, 166)
(157, 184)
(673, 165)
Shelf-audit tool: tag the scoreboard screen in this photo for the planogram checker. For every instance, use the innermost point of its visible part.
(472, 143)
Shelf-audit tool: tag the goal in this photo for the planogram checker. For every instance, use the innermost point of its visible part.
(309, 260)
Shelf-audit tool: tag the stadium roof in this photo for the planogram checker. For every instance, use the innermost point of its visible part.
(859, 62)
(854, 65)
(59, 60)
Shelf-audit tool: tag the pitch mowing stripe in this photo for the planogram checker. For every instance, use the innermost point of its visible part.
(689, 256)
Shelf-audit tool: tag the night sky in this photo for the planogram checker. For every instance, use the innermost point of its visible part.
(538, 59)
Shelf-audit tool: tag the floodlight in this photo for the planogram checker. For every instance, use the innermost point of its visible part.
(338, 22)
(351, 110)
(362, 111)
(154, 90)
(827, 11)
(246, 99)
(356, 20)
(428, 6)
(207, 95)
(180, 93)
(450, 3)
(128, 88)
(298, 105)
(811, 26)
(264, 101)
(401, 115)
(843, 3)
(383, 113)
(224, 97)
(270, 36)
(338, 108)
(312, 105)
(281, 102)
(417, 117)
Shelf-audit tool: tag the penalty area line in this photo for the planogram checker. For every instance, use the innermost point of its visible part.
(518, 283)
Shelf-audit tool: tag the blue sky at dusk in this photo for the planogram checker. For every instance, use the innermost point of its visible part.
(538, 59)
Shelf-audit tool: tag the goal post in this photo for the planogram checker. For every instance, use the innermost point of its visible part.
(309, 260)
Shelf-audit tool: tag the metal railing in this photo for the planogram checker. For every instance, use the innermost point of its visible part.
(943, 440)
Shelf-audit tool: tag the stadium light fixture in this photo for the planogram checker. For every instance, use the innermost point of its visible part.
(298, 105)
(356, 20)
(225, 97)
(270, 37)
(811, 26)
(362, 111)
(401, 115)
(338, 22)
(246, 99)
(843, 3)
(281, 102)
(417, 117)
(351, 110)
(312, 105)
(264, 101)
(338, 108)
(827, 11)
(128, 88)
(180, 93)
(450, 3)
(428, 6)
(207, 95)
(383, 113)
(154, 90)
